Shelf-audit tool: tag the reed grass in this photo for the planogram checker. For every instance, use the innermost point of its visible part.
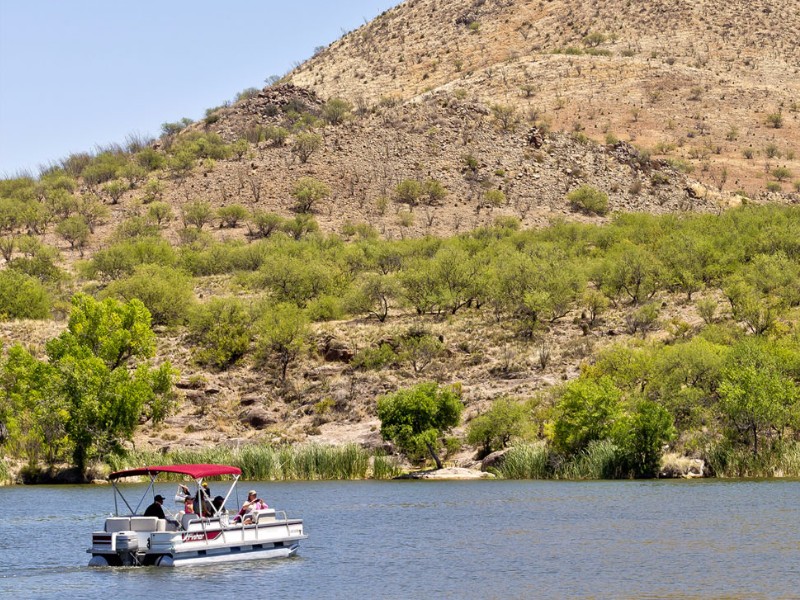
(385, 467)
(526, 461)
(5, 472)
(264, 463)
(602, 459)
(782, 460)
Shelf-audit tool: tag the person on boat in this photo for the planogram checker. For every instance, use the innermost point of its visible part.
(252, 504)
(155, 509)
(202, 501)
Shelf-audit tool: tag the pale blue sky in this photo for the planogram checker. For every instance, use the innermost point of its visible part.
(75, 74)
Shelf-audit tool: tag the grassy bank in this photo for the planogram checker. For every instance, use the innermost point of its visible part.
(603, 460)
(282, 463)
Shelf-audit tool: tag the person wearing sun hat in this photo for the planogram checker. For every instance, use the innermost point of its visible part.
(252, 504)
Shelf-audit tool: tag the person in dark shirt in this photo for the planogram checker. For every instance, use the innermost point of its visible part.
(155, 509)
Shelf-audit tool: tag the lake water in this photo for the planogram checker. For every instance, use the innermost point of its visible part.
(461, 540)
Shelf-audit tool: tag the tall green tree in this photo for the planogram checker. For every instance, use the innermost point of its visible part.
(759, 395)
(415, 419)
(105, 379)
(493, 430)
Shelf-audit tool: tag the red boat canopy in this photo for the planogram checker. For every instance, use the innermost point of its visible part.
(194, 471)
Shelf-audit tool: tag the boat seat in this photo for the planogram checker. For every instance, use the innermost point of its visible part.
(144, 523)
(186, 519)
(114, 524)
(264, 515)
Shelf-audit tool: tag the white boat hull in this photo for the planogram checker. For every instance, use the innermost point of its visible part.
(201, 542)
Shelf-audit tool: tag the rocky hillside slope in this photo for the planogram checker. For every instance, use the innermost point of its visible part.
(714, 83)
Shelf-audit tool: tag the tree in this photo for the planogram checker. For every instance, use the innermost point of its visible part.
(641, 436)
(305, 144)
(221, 330)
(757, 393)
(494, 429)
(308, 191)
(415, 419)
(586, 411)
(31, 408)
(107, 390)
(281, 336)
(74, 230)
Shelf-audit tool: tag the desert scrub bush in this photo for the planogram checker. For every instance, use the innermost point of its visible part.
(159, 213)
(589, 200)
(220, 330)
(775, 120)
(197, 213)
(781, 173)
(165, 291)
(230, 216)
(305, 144)
(263, 224)
(494, 198)
(200, 145)
(433, 190)
(505, 117)
(103, 167)
(22, 296)
(408, 191)
(773, 186)
(121, 259)
(277, 136)
(74, 230)
(299, 227)
(375, 359)
(307, 191)
(150, 159)
(336, 111)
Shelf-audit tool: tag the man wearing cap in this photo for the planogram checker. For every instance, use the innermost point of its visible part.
(155, 510)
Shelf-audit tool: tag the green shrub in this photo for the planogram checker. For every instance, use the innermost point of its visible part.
(307, 191)
(22, 297)
(588, 199)
(336, 110)
(493, 430)
(305, 144)
(220, 328)
(230, 216)
(374, 359)
(408, 191)
(165, 291)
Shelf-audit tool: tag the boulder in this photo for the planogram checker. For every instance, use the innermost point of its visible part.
(493, 460)
(257, 417)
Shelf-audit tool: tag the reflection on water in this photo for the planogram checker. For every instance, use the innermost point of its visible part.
(681, 539)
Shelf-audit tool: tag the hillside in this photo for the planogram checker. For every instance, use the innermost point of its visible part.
(494, 112)
(690, 80)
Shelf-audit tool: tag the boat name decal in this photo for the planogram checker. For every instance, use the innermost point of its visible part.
(199, 536)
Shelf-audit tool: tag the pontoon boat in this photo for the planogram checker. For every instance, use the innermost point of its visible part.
(131, 539)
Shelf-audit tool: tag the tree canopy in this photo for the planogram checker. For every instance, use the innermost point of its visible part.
(416, 418)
